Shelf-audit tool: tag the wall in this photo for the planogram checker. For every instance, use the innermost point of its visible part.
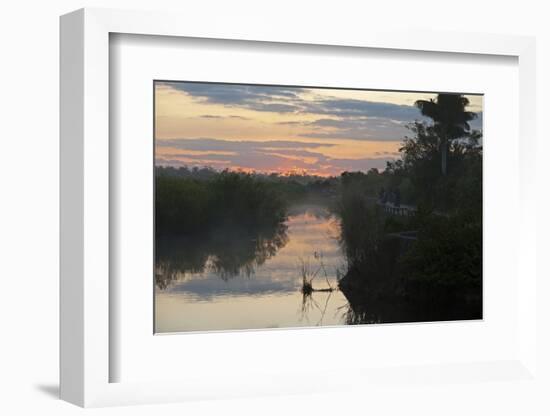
(29, 207)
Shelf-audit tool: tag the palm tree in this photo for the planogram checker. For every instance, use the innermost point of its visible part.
(450, 120)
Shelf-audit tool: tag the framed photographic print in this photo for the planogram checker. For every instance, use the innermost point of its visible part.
(237, 207)
(284, 206)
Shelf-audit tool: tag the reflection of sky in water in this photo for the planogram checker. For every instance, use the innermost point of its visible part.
(271, 296)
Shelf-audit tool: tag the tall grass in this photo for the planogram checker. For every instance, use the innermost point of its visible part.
(308, 273)
(186, 205)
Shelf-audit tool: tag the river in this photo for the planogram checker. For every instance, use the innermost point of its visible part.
(251, 282)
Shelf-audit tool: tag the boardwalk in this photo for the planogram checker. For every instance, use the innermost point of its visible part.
(405, 210)
(401, 210)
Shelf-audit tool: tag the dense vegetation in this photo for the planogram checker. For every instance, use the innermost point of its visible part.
(186, 205)
(232, 221)
(435, 256)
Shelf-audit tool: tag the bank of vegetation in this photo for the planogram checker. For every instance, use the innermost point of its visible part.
(187, 205)
(427, 266)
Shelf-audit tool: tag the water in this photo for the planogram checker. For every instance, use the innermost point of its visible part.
(237, 280)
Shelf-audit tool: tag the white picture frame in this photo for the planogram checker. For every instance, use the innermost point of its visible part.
(85, 307)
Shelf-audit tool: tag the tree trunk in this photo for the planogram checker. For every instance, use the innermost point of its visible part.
(444, 157)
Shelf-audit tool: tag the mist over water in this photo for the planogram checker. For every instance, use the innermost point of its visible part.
(231, 279)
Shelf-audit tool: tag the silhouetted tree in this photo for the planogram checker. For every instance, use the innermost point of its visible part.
(451, 121)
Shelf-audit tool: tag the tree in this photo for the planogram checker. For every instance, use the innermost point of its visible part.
(451, 121)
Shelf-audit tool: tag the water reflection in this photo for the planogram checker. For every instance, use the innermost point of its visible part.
(294, 274)
(242, 280)
(225, 252)
(366, 307)
(313, 302)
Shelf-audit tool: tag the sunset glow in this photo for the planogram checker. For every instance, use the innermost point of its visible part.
(276, 129)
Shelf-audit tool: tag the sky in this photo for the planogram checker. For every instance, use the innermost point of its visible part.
(316, 131)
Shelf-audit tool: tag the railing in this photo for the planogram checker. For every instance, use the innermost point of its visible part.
(401, 210)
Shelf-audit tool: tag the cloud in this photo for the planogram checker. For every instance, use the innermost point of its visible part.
(291, 123)
(209, 287)
(363, 108)
(264, 156)
(357, 128)
(209, 116)
(256, 97)
(290, 100)
(373, 128)
(211, 144)
(340, 118)
(218, 117)
(337, 118)
(239, 117)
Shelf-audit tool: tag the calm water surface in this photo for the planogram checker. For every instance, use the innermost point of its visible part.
(241, 281)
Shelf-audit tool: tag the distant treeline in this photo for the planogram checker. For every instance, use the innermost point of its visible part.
(207, 172)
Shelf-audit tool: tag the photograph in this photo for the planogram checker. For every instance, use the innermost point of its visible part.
(280, 206)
